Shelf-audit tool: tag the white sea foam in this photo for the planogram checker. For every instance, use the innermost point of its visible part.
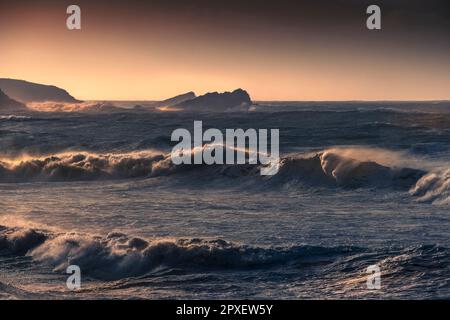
(92, 107)
(433, 187)
(334, 167)
(78, 166)
(119, 255)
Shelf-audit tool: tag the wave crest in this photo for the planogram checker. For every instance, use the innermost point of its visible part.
(91, 107)
(78, 166)
(329, 168)
(119, 255)
(19, 240)
(434, 187)
(13, 117)
(334, 168)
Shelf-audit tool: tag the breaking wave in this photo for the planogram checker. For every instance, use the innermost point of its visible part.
(78, 166)
(342, 168)
(91, 107)
(19, 240)
(346, 168)
(434, 187)
(119, 255)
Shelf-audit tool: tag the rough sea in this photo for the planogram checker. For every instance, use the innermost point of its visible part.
(359, 184)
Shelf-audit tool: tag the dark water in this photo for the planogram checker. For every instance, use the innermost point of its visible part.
(359, 184)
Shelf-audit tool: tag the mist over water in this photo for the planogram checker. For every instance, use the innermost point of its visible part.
(359, 184)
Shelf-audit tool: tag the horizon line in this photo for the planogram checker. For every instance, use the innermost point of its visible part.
(264, 101)
(253, 100)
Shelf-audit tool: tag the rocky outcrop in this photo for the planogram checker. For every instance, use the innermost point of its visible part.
(8, 105)
(26, 92)
(177, 100)
(237, 100)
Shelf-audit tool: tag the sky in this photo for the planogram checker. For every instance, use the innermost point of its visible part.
(276, 50)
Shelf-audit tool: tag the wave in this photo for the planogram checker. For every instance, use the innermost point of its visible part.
(13, 117)
(119, 255)
(90, 107)
(346, 168)
(335, 167)
(78, 166)
(420, 269)
(434, 187)
(349, 168)
(19, 240)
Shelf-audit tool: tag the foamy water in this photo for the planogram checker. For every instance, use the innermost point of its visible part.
(358, 185)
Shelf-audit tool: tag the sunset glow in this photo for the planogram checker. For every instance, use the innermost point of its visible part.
(153, 52)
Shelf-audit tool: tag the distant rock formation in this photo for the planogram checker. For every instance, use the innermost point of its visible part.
(237, 100)
(166, 104)
(26, 92)
(177, 99)
(8, 105)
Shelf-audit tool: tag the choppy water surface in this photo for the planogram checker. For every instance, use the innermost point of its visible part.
(359, 184)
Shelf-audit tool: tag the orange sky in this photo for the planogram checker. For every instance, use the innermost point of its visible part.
(156, 56)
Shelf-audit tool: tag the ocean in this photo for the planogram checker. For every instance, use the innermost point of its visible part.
(359, 184)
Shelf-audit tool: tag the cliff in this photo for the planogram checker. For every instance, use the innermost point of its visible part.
(25, 92)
